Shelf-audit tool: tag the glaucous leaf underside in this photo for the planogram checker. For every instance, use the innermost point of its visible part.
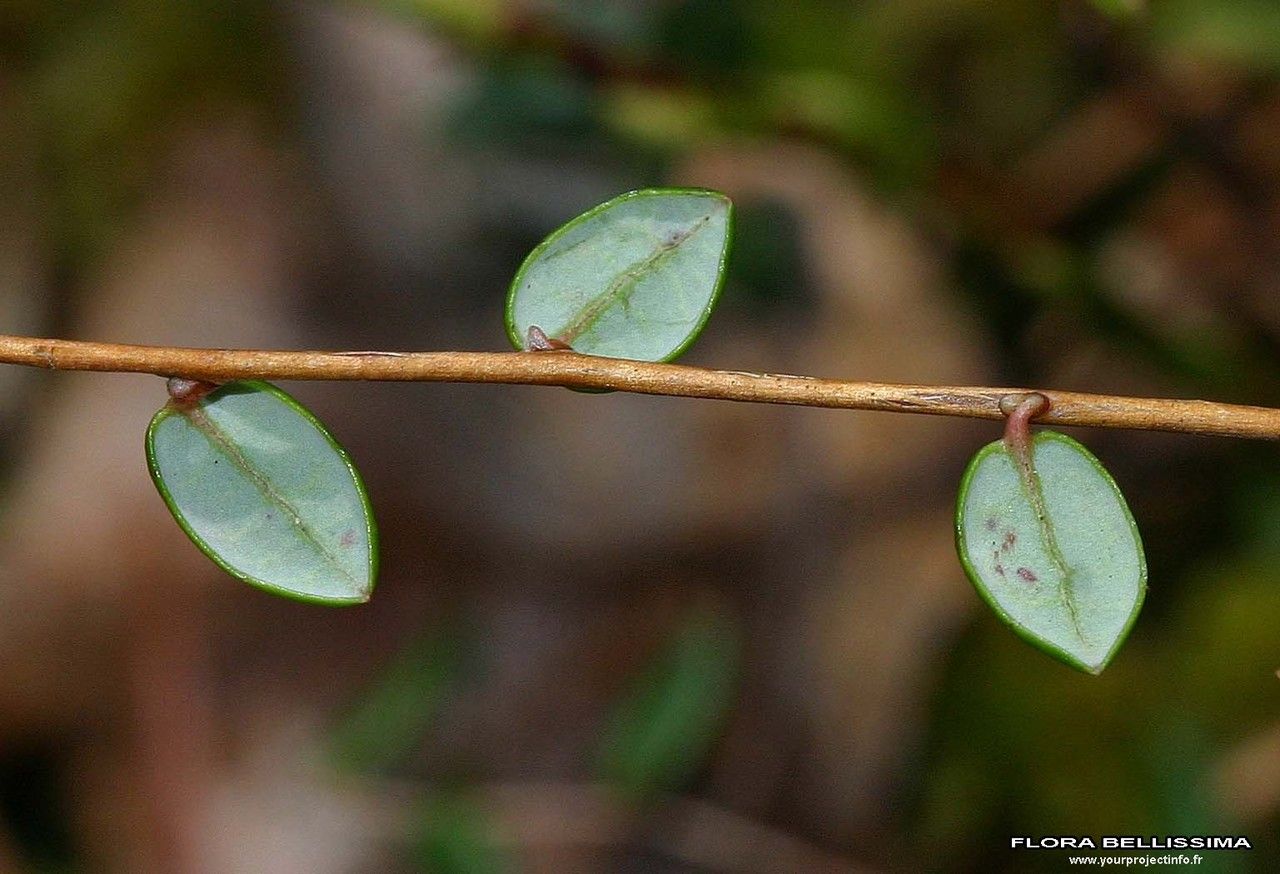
(263, 489)
(1056, 554)
(635, 277)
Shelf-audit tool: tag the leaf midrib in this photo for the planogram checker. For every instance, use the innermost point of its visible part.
(619, 290)
(1029, 478)
(218, 438)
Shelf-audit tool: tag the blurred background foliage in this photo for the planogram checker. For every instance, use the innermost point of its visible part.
(624, 633)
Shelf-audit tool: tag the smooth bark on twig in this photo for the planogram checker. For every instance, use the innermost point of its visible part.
(573, 370)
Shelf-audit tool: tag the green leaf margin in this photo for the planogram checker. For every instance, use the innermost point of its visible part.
(974, 578)
(371, 525)
(722, 267)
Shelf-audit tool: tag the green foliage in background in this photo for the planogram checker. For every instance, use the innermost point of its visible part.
(103, 89)
(393, 717)
(454, 837)
(659, 736)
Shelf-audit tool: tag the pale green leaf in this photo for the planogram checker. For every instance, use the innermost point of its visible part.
(263, 489)
(1059, 561)
(635, 278)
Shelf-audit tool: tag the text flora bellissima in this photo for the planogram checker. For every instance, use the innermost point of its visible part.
(1131, 842)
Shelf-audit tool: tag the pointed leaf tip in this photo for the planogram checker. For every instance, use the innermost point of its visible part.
(1059, 559)
(636, 277)
(265, 491)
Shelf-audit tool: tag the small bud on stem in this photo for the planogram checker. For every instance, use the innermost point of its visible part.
(187, 392)
(538, 341)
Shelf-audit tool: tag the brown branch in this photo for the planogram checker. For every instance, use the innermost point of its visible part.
(587, 371)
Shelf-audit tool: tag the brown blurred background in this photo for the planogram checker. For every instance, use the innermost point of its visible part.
(618, 633)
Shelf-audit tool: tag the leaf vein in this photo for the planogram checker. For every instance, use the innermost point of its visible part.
(218, 438)
(622, 286)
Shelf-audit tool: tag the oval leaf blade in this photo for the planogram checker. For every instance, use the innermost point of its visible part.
(1060, 562)
(635, 277)
(263, 489)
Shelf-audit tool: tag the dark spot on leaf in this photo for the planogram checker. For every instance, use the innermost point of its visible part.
(1026, 574)
(1010, 538)
(995, 557)
(991, 523)
(348, 539)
